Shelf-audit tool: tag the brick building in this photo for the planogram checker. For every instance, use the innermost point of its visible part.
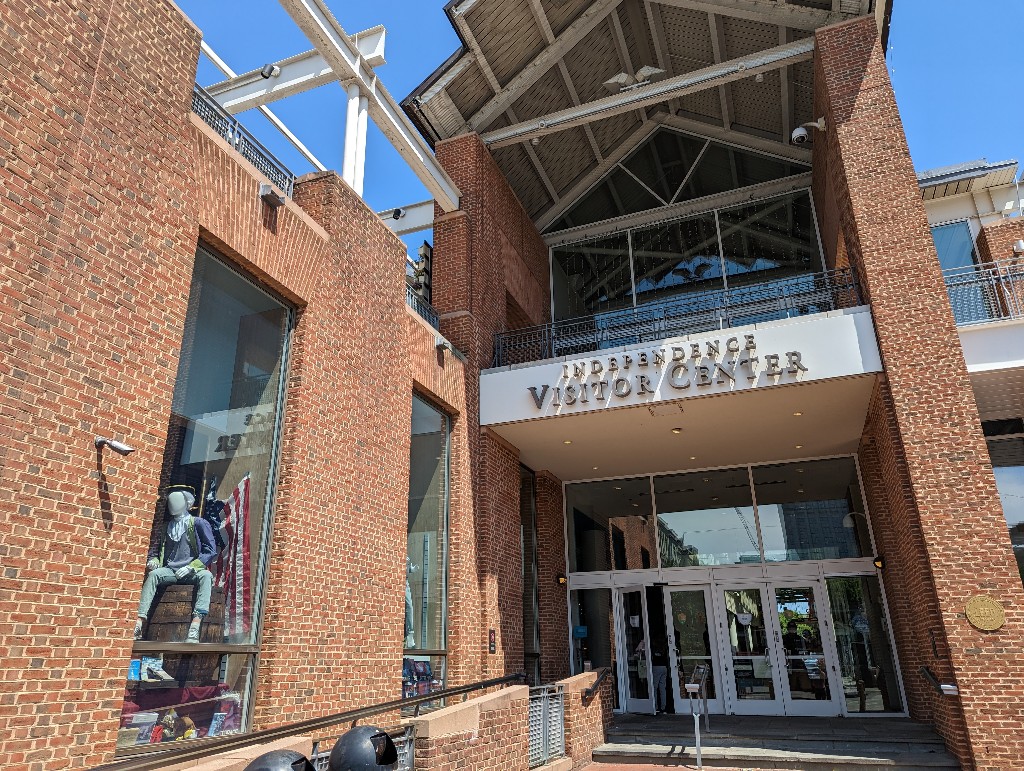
(706, 376)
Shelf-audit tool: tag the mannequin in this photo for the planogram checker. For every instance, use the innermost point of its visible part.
(180, 557)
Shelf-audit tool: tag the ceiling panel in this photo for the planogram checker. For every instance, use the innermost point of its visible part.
(506, 53)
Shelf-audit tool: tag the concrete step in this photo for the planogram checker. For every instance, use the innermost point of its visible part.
(865, 756)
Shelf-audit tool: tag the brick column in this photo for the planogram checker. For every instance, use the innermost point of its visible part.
(943, 500)
(554, 615)
(484, 253)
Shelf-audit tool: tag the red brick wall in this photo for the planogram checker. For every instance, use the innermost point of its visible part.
(554, 612)
(95, 181)
(484, 253)
(586, 721)
(488, 733)
(995, 241)
(948, 491)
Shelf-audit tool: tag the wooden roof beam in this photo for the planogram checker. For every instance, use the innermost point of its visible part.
(767, 11)
(654, 93)
(544, 61)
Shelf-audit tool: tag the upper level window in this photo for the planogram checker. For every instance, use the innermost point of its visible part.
(955, 245)
(670, 167)
(746, 244)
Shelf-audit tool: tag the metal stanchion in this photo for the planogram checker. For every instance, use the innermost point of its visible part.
(697, 693)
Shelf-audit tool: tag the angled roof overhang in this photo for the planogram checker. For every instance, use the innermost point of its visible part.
(532, 78)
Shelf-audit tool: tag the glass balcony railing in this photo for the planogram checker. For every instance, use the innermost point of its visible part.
(988, 292)
(682, 315)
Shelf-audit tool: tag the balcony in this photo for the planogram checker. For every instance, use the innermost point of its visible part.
(990, 292)
(686, 314)
(424, 309)
(236, 135)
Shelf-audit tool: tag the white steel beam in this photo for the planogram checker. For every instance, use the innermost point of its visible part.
(276, 122)
(299, 73)
(345, 59)
(718, 51)
(413, 218)
(768, 11)
(654, 93)
(543, 62)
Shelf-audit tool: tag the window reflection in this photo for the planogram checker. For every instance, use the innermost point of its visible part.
(1008, 465)
(593, 633)
(688, 261)
(610, 526)
(706, 518)
(811, 511)
(805, 510)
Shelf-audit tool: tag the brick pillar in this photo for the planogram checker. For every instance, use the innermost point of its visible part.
(554, 616)
(943, 493)
(483, 253)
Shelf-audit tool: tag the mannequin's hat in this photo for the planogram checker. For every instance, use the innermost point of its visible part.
(188, 490)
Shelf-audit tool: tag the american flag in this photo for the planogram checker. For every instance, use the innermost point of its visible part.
(231, 567)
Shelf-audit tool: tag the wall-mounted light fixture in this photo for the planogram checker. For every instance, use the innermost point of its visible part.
(119, 447)
(271, 197)
(561, 579)
(1018, 246)
(879, 562)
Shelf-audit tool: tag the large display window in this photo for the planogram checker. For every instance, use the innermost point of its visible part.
(203, 571)
(800, 511)
(426, 587)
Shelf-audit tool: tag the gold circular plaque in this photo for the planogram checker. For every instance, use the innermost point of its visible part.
(985, 613)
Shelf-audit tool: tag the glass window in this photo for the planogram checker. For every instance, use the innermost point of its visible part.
(677, 258)
(426, 556)
(1008, 465)
(769, 239)
(862, 639)
(204, 565)
(591, 276)
(664, 162)
(955, 245)
(593, 632)
(531, 580)
(706, 518)
(811, 511)
(609, 524)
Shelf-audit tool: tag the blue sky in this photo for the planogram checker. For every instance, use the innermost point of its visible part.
(955, 68)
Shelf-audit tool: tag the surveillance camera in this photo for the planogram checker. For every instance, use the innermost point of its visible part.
(119, 447)
(398, 213)
(801, 136)
(270, 71)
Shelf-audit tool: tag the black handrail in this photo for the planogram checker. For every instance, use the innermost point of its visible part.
(588, 695)
(942, 690)
(202, 748)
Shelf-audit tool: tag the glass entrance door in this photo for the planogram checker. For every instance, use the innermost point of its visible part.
(811, 684)
(637, 686)
(752, 678)
(776, 641)
(691, 641)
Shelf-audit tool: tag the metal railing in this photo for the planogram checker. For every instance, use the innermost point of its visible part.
(405, 743)
(146, 759)
(547, 724)
(588, 695)
(422, 307)
(236, 135)
(681, 315)
(988, 292)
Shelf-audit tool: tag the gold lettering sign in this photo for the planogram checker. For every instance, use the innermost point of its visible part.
(985, 613)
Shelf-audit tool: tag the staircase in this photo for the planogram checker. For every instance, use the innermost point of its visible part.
(810, 744)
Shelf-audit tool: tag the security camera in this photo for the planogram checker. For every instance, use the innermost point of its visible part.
(398, 213)
(801, 136)
(270, 71)
(119, 447)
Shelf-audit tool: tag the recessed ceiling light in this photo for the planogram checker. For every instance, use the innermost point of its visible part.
(636, 505)
(567, 441)
(706, 479)
(799, 471)
(595, 468)
(693, 457)
(799, 446)
(677, 430)
(797, 414)
(715, 498)
(800, 490)
(618, 488)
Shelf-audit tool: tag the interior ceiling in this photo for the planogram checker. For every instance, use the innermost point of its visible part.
(524, 59)
(725, 430)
